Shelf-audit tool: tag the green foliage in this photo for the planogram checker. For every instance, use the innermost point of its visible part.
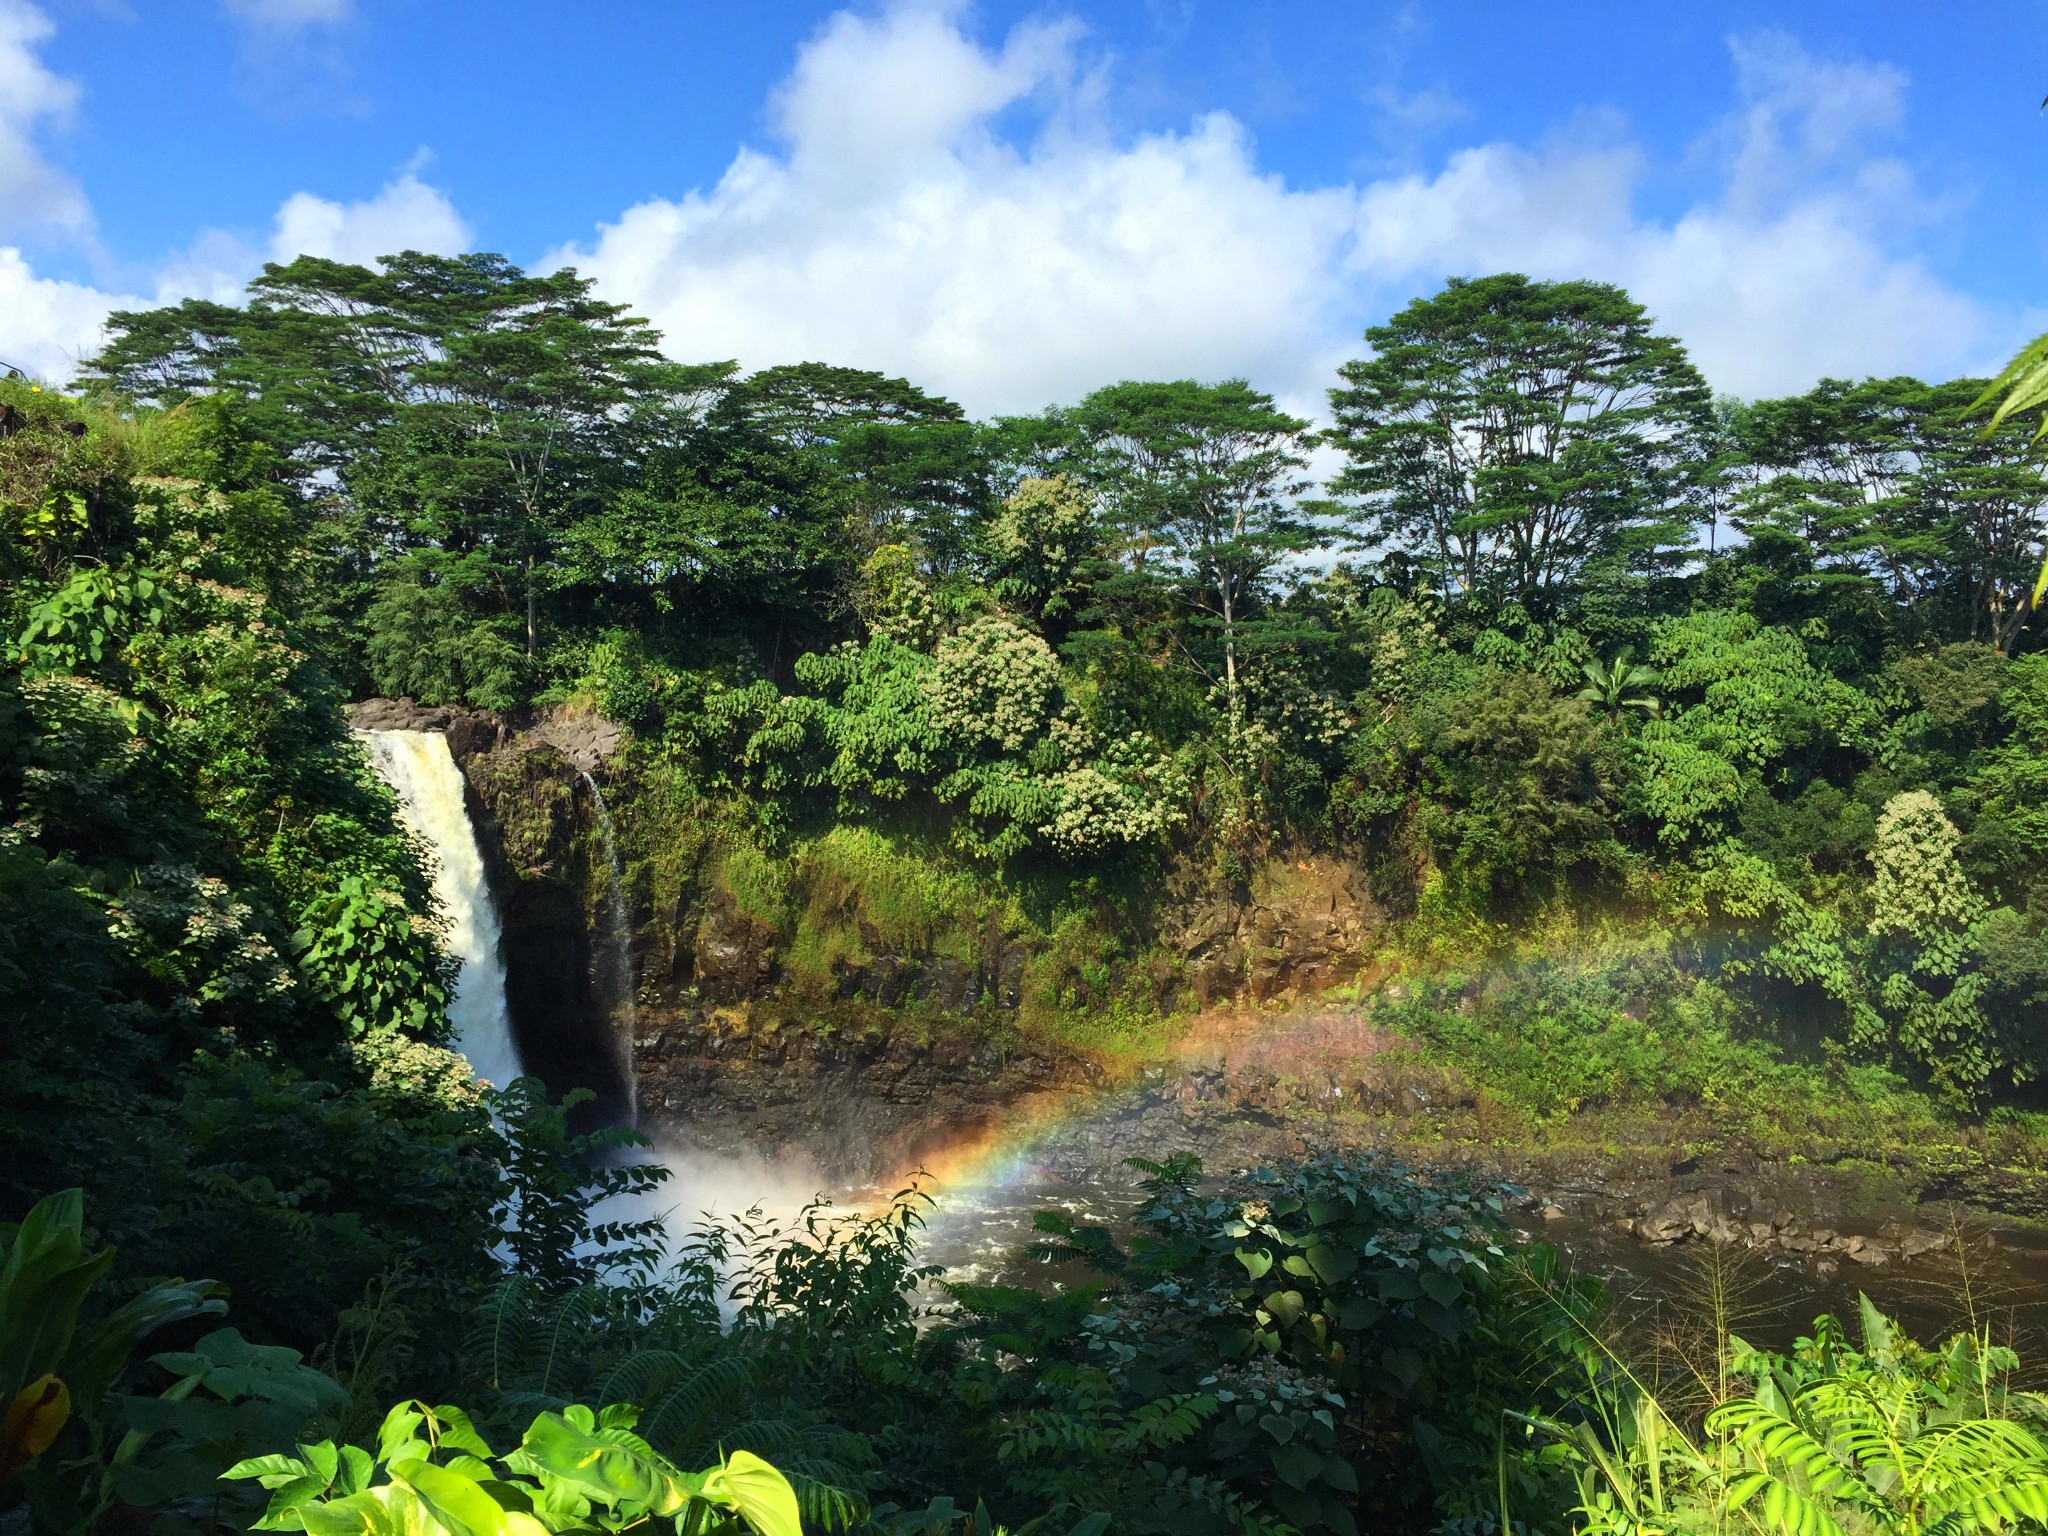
(1633, 1036)
(1612, 688)
(572, 1472)
(1927, 968)
(1893, 1437)
(556, 1182)
(904, 685)
(1322, 1332)
(426, 643)
(59, 1363)
(1518, 439)
(1521, 781)
(359, 949)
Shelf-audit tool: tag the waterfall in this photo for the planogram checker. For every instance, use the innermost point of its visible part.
(419, 766)
(618, 956)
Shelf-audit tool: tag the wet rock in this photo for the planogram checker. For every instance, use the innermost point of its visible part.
(1867, 1252)
(950, 983)
(1919, 1241)
(586, 740)
(469, 731)
(734, 951)
(1663, 1229)
(1010, 977)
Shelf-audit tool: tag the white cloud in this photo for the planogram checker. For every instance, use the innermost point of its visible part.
(895, 228)
(33, 193)
(47, 325)
(406, 215)
(900, 222)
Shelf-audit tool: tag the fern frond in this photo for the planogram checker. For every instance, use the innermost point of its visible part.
(1783, 1509)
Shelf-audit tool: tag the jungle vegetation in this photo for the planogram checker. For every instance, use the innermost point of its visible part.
(1565, 640)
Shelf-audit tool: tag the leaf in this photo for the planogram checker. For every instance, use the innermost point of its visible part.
(34, 1419)
(458, 1433)
(613, 1473)
(398, 1430)
(1286, 1307)
(1333, 1263)
(1256, 1263)
(273, 1471)
(1444, 1288)
(761, 1494)
(388, 1511)
(1359, 1312)
(1298, 1465)
(455, 1500)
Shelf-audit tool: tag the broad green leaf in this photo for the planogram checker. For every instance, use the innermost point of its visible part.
(611, 1472)
(393, 1510)
(1286, 1307)
(760, 1493)
(272, 1471)
(1298, 1465)
(455, 1500)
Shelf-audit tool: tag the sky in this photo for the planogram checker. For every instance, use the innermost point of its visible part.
(1014, 203)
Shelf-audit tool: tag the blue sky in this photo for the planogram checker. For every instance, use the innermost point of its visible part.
(1015, 202)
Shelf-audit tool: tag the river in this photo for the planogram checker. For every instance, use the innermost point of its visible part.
(988, 1188)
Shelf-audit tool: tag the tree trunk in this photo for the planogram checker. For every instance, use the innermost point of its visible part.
(532, 613)
(1230, 662)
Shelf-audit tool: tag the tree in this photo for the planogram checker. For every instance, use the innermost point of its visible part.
(2021, 386)
(1893, 488)
(461, 406)
(1520, 435)
(1612, 688)
(1203, 482)
(1984, 496)
(902, 462)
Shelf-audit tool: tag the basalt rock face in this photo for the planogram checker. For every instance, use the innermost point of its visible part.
(1305, 925)
(868, 1096)
(469, 731)
(776, 1015)
(536, 825)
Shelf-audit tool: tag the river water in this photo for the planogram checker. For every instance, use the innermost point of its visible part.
(1995, 1278)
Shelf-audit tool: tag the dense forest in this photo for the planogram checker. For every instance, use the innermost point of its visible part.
(1719, 727)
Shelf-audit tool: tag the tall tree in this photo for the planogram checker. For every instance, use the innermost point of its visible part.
(1517, 435)
(1985, 496)
(1892, 484)
(1204, 483)
(903, 464)
(466, 413)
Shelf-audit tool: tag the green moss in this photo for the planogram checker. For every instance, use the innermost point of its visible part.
(758, 884)
(847, 897)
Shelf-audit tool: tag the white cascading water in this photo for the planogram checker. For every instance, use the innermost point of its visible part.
(618, 957)
(419, 766)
